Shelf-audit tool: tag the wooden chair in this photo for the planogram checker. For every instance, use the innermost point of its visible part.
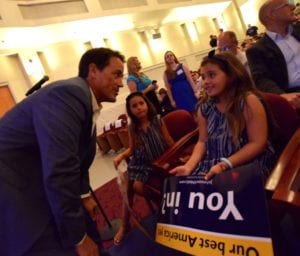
(122, 130)
(180, 124)
(177, 132)
(102, 143)
(113, 138)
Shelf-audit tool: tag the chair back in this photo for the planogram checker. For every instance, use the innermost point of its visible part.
(179, 123)
(286, 118)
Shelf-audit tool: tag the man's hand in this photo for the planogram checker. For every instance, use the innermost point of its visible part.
(87, 247)
(91, 206)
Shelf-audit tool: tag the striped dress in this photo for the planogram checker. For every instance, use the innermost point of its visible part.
(154, 145)
(219, 143)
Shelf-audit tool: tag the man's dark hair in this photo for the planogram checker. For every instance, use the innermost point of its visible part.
(100, 57)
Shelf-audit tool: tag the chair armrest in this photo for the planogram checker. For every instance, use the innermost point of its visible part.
(172, 155)
(283, 161)
(284, 180)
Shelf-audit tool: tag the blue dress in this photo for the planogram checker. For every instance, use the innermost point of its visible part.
(182, 91)
(220, 144)
(153, 145)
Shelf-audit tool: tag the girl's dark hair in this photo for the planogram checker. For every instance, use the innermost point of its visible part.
(100, 57)
(134, 124)
(239, 85)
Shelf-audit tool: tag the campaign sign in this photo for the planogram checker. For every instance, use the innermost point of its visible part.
(223, 216)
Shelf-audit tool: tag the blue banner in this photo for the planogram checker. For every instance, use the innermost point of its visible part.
(224, 216)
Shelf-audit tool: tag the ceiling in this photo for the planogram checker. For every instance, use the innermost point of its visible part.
(57, 20)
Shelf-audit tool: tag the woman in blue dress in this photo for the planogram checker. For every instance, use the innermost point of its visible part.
(180, 86)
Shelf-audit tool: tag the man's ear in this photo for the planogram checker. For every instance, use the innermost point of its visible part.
(92, 70)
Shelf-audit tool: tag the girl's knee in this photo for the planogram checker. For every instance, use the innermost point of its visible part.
(138, 187)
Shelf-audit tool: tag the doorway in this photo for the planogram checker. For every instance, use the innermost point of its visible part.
(7, 101)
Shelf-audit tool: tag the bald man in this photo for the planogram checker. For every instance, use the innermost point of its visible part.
(228, 42)
(274, 60)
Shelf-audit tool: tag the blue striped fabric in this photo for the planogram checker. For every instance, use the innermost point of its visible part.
(153, 146)
(220, 144)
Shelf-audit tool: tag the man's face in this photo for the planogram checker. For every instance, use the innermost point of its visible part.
(283, 11)
(106, 83)
(226, 44)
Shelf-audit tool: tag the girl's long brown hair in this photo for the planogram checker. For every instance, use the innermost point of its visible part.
(134, 126)
(240, 85)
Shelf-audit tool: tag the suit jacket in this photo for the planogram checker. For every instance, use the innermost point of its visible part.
(267, 64)
(46, 148)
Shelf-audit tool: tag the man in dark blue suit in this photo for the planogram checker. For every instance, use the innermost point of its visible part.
(47, 143)
(274, 60)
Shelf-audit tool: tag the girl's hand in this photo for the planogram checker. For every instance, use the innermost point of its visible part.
(181, 170)
(216, 169)
(173, 104)
(117, 160)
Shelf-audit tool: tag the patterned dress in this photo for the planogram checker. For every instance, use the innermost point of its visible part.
(219, 143)
(182, 91)
(154, 145)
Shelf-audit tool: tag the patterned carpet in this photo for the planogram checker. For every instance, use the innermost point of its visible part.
(110, 198)
(136, 243)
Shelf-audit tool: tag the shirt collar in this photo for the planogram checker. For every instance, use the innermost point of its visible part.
(95, 106)
(275, 36)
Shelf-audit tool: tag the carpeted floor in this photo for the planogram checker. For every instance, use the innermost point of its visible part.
(110, 198)
(136, 243)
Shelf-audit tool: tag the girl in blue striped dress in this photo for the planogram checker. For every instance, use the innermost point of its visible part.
(148, 139)
(233, 121)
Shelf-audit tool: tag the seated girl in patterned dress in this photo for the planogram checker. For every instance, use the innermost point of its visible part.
(232, 119)
(148, 139)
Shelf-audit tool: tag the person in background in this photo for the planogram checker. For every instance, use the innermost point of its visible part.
(297, 10)
(180, 86)
(228, 42)
(233, 126)
(252, 31)
(198, 81)
(221, 31)
(137, 81)
(165, 101)
(213, 42)
(274, 60)
(246, 44)
(47, 144)
(148, 139)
